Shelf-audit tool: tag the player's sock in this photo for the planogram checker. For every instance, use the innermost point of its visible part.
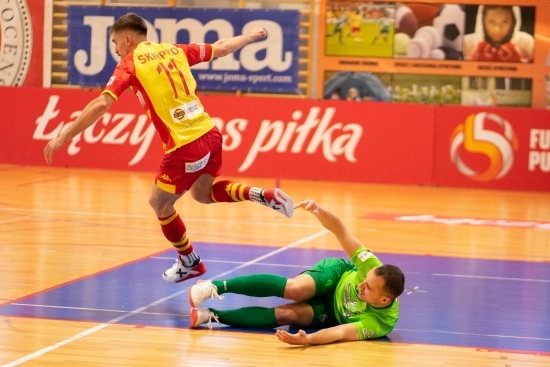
(229, 192)
(248, 317)
(174, 230)
(255, 285)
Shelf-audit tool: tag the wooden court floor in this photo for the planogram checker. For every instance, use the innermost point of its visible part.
(58, 225)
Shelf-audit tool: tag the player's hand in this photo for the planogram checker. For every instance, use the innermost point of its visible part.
(300, 338)
(258, 33)
(309, 205)
(51, 147)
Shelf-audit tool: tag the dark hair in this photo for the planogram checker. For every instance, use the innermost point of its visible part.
(512, 28)
(130, 21)
(394, 278)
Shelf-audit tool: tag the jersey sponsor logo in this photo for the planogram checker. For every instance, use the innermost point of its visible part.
(179, 114)
(186, 111)
(15, 42)
(367, 334)
(364, 255)
(198, 165)
(350, 305)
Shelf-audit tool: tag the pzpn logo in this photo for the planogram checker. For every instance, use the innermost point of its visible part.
(483, 134)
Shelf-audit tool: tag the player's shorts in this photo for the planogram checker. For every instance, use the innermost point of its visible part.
(323, 312)
(355, 29)
(180, 168)
(326, 274)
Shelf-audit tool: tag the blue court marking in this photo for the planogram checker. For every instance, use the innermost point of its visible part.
(490, 304)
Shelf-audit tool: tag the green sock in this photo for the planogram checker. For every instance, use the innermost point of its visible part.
(248, 317)
(255, 285)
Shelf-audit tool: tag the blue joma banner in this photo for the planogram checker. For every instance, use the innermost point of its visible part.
(267, 65)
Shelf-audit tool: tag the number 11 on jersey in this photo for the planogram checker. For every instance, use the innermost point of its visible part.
(168, 71)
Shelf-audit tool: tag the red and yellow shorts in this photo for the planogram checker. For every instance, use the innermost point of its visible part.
(182, 167)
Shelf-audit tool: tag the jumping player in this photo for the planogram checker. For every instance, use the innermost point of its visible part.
(160, 76)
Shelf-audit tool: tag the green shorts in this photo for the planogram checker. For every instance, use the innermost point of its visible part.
(326, 275)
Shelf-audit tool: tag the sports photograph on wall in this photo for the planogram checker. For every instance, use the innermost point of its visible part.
(359, 28)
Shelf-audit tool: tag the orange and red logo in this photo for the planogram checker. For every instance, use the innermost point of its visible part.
(487, 134)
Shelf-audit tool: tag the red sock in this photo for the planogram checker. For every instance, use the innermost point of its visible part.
(174, 230)
(229, 192)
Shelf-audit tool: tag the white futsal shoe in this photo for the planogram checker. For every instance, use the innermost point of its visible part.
(276, 199)
(199, 316)
(179, 272)
(201, 291)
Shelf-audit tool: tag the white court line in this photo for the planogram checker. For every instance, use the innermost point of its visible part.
(92, 309)
(472, 334)
(48, 349)
(497, 278)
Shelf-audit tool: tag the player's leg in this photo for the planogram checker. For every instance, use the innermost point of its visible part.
(297, 313)
(254, 285)
(316, 312)
(320, 279)
(311, 289)
(300, 314)
(274, 198)
(201, 189)
(188, 264)
(176, 175)
(206, 191)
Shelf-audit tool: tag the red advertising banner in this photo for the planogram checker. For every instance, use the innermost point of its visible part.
(503, 148)
(263, 137)
(326, 140)
(123, 139)
(21, 46)
(481, 147)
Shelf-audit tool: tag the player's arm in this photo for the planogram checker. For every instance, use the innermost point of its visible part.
(94, 110)
(340, 333)
(226, 46)
(349, 243)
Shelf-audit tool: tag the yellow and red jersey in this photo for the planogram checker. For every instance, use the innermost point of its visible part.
(160, 76)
